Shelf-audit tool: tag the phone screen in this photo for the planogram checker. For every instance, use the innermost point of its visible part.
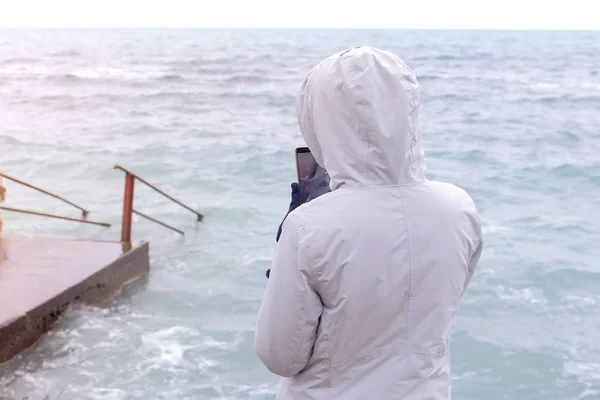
(313, 179)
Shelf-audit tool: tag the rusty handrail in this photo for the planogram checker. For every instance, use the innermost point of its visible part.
(128, 209)
(10, 178)
(199, 216)
(41, 214)
(157, 221)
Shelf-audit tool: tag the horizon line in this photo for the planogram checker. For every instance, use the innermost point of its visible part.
(497, 29)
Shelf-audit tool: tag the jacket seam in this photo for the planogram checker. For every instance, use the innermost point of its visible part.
(439, 352)
(325, 330)
(409, 294)
(362, 357)
(297, 226)
(414, 134)
(403, 185)
(301, 223)
(368, 132)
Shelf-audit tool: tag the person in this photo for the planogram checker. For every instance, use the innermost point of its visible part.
(366, 280)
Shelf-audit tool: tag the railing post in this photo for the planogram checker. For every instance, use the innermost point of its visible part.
(127, 209)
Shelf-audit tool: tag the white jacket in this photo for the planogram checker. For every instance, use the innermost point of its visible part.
(366, 280)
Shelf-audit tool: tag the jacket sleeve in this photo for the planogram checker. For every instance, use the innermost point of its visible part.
(477, 250)
(473, 263)
(288, 319)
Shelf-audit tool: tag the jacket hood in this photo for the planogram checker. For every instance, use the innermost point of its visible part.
(358, 113)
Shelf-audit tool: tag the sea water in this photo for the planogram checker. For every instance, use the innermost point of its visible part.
(209, 117)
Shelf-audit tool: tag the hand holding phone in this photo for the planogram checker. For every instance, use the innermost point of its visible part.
(312, 178)
(312, 182)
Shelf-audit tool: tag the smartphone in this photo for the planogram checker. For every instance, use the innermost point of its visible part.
(313, 179)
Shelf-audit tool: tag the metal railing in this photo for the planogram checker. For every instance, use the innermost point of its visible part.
(84, 212)
(128, 209)
(41, 214)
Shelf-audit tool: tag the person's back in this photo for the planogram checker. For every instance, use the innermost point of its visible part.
(366, 279)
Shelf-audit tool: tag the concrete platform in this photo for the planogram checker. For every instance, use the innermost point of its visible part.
(39, 278)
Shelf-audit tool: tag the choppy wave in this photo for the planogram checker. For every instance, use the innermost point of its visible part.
(116, 74)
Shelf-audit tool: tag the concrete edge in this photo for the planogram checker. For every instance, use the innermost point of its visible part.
(106, 283)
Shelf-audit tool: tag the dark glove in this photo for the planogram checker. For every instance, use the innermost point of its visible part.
(294, 203)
